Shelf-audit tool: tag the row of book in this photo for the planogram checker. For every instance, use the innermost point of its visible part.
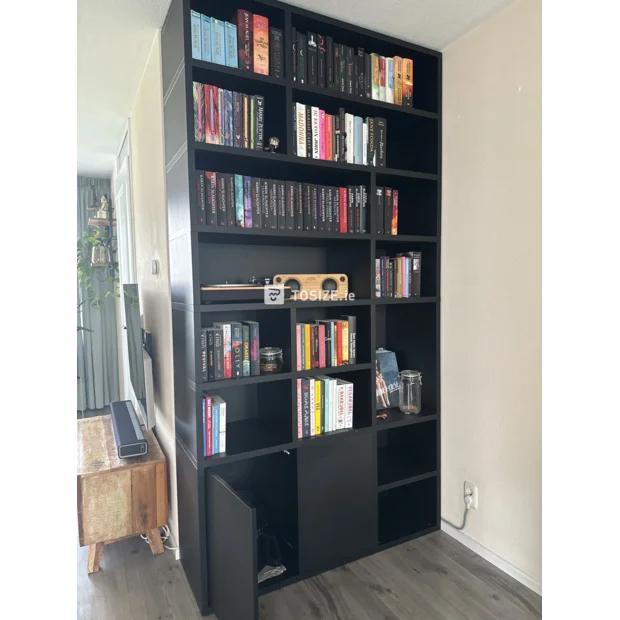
(228, 118)
(225, 199)
(247, 43)
(214, 424)
(387, 211)
(230, 350)
(324, 405)
(326, 343)
(340, 137)
(318, 61)
(398, 277)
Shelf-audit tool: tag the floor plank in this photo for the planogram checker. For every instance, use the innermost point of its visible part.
(431, 578)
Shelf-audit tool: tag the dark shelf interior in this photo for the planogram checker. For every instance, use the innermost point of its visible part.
(395, 417)
(406, 451)
(407, 510)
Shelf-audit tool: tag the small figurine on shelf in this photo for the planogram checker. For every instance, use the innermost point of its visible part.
(104, 209)
(274, 143)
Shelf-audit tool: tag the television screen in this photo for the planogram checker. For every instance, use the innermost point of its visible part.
(135, 347)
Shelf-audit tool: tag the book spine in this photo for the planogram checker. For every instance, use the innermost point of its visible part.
(246, 121)
(398, 80)
(316, 153)
(358, 140)
(345, 342)
(238, 120)
(196, 27)
(247, 202)
(365, 224)
(329, 62)
(227, 343)
(299, 210)
(218, 354)
(218, 51)
(307, 206)
(322, 134)
(237, 349)
(221, 131)
(254, 347)
(232, 58)
(381, 140)
(256, 203)
(387, 213)
(322, 61)
(372, 151)
(289, 218)
(342, 404)
(231, 212)
(350, 136)
(377, 277)
(264, 202)
(210, 355)
(252, 120)
(350, 83)
(376, 78)
(221, 198)
(317, 406)
(321, 330)
(329, 131)
(344, 203)
(348, 421)
(302, 71)
(309, 143)
(201, 198)
(259, 107)
(408, 82)
(352, 320)
(205, 25)
(273, 204)
(312, 408)
(337, 137)
(322, 216)
(307, 347)
(209, 428)
(343, 68)
(338, 343)
(294, 42)
(208, 113)
(243, 20)
(365, 144)
(314, 206)
(239, 204)
(395, 212)
(204, 425)
(358, 208)
(381, 78)
(312, 59)
(215, 423)
(389, 80)
(229, 118)
(300, 423)
(351, 209)
(301, 129)
(246, 350)
(204, 357)
(379, 215)
(199, 112)
(336, 84)
(261, 44)
(281, 205)
(222, 416)
(329, 209)
(298, 346)
(275, 52)
(361, 70)
(305, 407)
(368, 76)
(336, 209)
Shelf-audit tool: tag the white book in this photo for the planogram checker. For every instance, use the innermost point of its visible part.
(301, 129)
(312, 412)
(218, 400)
(365, 145)
(348, 420)
(349, 122)
(316, 151)
(334, 412)
(342, 404)
(389, 80)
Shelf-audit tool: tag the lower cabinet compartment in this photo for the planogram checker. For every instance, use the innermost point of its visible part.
(251, 509)
(407, 510)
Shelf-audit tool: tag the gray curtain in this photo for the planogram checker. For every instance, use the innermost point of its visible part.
(97, 350)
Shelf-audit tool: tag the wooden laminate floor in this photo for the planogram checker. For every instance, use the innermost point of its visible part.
(431, 578)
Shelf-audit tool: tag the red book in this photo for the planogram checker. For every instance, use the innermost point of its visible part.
(209, 426)
(300, 430)
(382, 72)
(322, 346)
(298, 341)
(338, 343)
(212, 117)
(199, 112)
(321, 134)
(243, 20)
(329, 128)
(261, 44)
(395, 212)
(344, 203)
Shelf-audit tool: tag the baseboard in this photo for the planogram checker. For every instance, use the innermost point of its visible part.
(489, 556)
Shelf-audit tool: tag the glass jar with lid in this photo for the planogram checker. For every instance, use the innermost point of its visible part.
(271, 361)
(410, 391)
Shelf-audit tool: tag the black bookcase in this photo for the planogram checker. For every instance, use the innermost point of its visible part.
(343, 495)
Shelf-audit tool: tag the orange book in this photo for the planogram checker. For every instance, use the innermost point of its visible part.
(395, 212)
(398, 80)
(329, 127)
(261, 44)
(408, 82)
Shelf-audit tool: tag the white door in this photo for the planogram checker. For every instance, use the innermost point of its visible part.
(126, 252)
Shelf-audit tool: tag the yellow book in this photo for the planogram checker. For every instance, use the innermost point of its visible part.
(317, 406)
(307, 347)
(345, 342)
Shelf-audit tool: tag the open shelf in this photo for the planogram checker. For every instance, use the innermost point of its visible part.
(395, 417)
(201, 71)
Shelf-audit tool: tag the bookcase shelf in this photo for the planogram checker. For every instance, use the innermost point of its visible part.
(342, 494)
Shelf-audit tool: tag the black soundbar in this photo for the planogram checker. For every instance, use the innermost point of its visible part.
(128, 435)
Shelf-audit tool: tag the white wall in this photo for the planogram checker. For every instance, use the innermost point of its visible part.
(151, 243)
(491, 283)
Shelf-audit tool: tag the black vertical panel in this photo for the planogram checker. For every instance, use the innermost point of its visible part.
(231, 551)
(337, 487)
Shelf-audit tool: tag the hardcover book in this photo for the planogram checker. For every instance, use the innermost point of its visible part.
(237, 349)
(316, 154)
(264, 202)
(239, 204)
(368, 76)
(256, 202)
(314, 206)
(408, 82)
(199, 112)
(294, 41)
(204, 355)
(232, 59)
(218, 354)
(395, 212)
(322, 60)
(302, 72)
(281, 204)
(342, 57)
(352, 332)
(218, 50)
(243, 20)
(380, 141)
(381, 78)
(289, 219)
(387, 383)
(329, 62)
(361, 71)
(350, 71)
(309, 134)
(273, 204)
(246, 121)
(312, 59)
(208, 424)
(387, 214)
(336, 209)
(349, 138)
(221, 199)
(231, 210)
(261, 44)
(227, 346)
(358, 138)
(329, 206)
(321, 134)
(398, 80)
(254, 347)
(215, 439)
(379, 216)
(275, 52)
(229, 118)
(307, 206)
(300, 424)
(219, 406)
(376, 77)
(322, 218)
(212, 116)
(305, 407)
(389, 80)
(238, 120)
(299, 211)
(301, 129)
(247, 202)
(201, 206)
(252, 120)
(205, 23)
(211, 198)
(259, 124)
(196, 35)
(336, 84)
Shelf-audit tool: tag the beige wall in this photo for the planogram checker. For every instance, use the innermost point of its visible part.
(491, 283)
(151, 243)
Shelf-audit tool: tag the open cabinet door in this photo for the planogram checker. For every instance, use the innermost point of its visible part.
(231, 552)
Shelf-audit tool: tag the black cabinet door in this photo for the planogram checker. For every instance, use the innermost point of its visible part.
(231, 552)
(337, 489)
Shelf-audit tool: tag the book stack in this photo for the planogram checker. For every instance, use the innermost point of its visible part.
(386, 202)
(340, 137)
(228, 118)
(319, 61)
(229, 351)
(225, 199)
(247, 43)
(214, 424)
(324, 405)
(398, 277)
(327, 343)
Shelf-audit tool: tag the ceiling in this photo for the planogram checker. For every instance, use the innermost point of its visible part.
(115, 37)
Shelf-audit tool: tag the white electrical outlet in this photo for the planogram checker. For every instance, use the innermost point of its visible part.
(472, 490)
